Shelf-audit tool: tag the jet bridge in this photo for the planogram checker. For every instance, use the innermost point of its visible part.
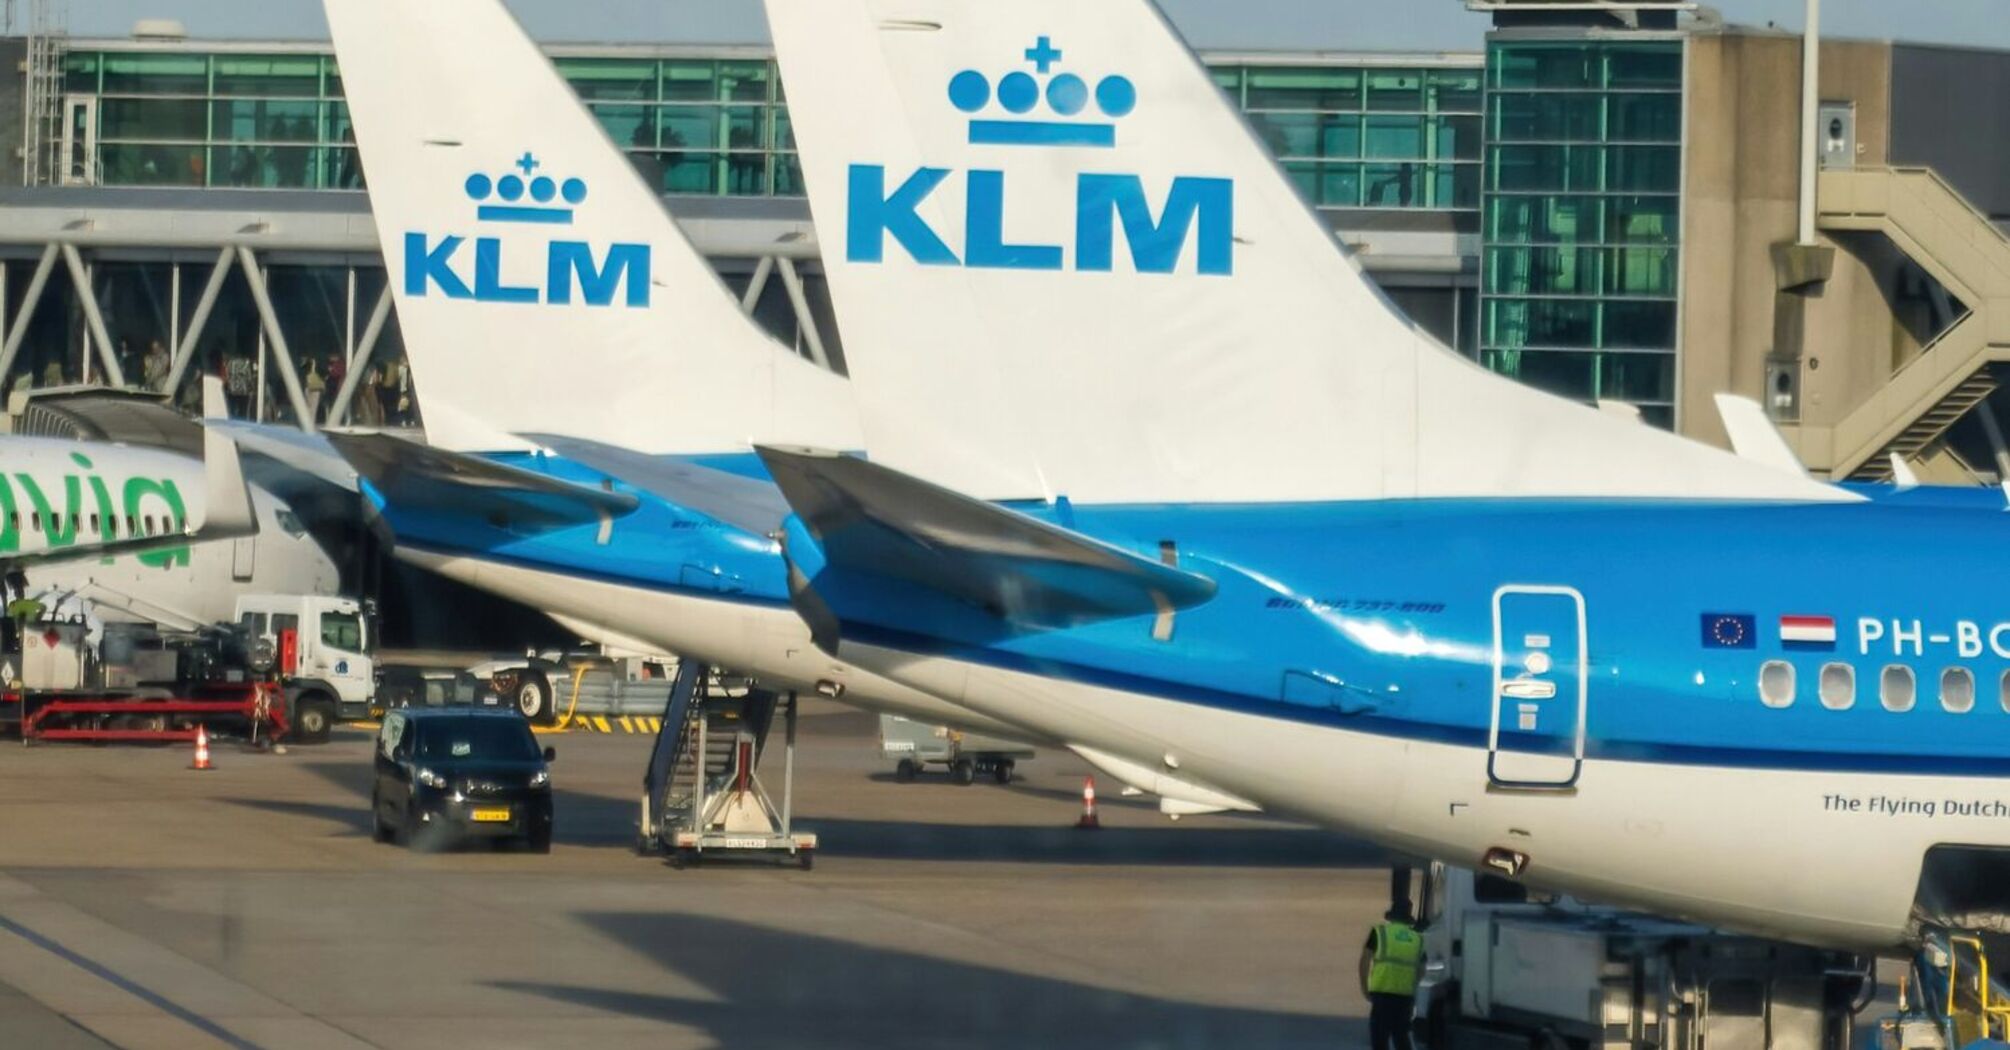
(701, 793)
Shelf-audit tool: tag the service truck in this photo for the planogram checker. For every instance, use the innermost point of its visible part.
(1505, 966)
(88, 680)
(330, 674)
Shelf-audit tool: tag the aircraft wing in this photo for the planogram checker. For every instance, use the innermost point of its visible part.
(901, 552)
(410, 475)
(742, 502)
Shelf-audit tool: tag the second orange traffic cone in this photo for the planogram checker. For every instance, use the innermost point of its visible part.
(1089, 820)
(201, 750)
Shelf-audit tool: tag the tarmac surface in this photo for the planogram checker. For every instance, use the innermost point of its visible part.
(145, 905)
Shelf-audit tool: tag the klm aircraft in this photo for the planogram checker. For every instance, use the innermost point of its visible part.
(1154, 469)
(592, 391)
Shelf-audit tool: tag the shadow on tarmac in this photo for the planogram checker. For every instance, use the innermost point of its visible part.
(1017, 843)
(775, 988)
(355, 816)
(592, 821)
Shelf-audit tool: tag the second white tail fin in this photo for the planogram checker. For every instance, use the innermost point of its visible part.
(1064, 266)
(540, 284)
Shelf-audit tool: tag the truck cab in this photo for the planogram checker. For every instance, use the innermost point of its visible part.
(328, 667)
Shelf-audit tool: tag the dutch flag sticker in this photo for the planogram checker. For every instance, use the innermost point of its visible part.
(1808, 632)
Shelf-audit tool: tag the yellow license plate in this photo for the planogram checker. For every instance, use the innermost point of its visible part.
(490, 816)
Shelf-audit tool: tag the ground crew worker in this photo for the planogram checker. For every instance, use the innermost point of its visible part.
(1389, 965)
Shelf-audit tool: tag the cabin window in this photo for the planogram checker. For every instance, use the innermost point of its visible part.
(35, 521)
(1896, 688)
(1776, 683)
(1957, 690)
(1838, 687)
(94, 523)
(148, 524)
(132, 525)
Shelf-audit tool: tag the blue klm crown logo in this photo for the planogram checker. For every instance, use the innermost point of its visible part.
(511, 189)
(1067, 96)
(569, 272)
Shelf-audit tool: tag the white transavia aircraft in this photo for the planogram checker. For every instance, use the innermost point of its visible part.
(542, 290)
(148, 534)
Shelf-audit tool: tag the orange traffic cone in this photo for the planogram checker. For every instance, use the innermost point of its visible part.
(1089, 820)
(201, 750)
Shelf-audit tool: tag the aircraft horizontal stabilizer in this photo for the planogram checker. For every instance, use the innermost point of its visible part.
(291, 448)
(227, 509)
(416, 477)
(742, 502)
(882, 547)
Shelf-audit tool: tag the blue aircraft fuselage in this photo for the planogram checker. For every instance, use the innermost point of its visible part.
(1382, 616)
(1394, 617)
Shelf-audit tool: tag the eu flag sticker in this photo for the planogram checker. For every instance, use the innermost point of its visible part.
(1729, 631)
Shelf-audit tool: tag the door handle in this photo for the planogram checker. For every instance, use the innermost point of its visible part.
(1528, 689)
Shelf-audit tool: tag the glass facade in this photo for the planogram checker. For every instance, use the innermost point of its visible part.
(323, 304)
(1351, 135)
(1368, 137)
(176, 118)
(148, 307)
(1581, 223)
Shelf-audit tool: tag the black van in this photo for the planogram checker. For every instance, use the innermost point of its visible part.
(446, 774)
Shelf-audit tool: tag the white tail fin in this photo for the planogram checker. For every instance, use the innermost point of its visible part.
(1064, 266)
(539, 283)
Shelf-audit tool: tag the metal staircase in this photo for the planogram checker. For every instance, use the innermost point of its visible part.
(701, 792)
(42, 158)
(1959, 247)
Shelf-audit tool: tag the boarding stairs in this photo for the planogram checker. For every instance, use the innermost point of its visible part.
(1950, 999)
(702, 791)
(1961, 367)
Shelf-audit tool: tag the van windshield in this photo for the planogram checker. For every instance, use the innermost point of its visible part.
(494, 739)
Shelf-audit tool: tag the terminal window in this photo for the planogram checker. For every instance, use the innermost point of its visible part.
(1580, 223)
(1368, 137)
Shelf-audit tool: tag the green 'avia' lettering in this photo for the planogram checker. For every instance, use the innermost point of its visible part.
(63, 526)
(137, 492)
(60, 526)
(10, 522)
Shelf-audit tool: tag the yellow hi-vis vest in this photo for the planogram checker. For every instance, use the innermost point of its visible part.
(1398, 951)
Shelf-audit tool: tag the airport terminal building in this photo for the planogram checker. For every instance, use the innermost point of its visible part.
(1600, 204)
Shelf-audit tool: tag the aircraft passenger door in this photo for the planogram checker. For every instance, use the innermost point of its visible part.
(243, 558)
(1540, 681)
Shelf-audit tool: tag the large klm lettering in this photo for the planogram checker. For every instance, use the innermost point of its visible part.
(1196, 208)
(573, 272)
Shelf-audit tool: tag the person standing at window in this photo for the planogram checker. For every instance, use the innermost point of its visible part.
(239, 376)
(398, 395)
(369, 405)
(154, 367)
(314, 383)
